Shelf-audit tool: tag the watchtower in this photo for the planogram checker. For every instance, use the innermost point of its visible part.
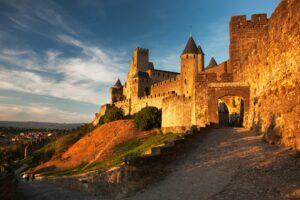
(243, 33)
(192, 62)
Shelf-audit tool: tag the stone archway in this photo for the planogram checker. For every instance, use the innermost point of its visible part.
(217, 91)
(235, 111)
(223, 114)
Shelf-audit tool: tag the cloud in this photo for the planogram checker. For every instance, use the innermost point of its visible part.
(34, 15)
(41, 113)
(170, 62)
(81, 75)
(81, 72)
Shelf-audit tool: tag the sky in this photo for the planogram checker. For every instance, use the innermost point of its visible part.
(58, 58)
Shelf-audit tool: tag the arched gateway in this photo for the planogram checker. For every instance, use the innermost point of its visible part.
(217, 91)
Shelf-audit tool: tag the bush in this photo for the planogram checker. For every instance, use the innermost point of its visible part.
(148, 118)
(112, 114)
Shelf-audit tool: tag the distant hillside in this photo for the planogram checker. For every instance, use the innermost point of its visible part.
(38, 125)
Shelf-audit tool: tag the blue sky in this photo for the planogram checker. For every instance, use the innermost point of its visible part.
(59, 58)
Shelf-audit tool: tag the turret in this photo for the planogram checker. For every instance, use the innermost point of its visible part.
(116, 92)
(200, 57)
(140, 84)
(192, 62)
(141, 59)
(212, 63)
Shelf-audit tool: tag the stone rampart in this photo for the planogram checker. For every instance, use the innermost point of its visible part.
(172, 84)
(177, 111)
(271, 68)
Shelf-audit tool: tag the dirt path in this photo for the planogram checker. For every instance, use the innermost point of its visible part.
(230, 164)
(225, 164)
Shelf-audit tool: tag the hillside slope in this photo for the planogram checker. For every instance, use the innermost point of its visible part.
(98, 145)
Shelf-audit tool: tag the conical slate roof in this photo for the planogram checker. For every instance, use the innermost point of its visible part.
(190, 46)
(199, 51)
(212, 63)
(118, 83)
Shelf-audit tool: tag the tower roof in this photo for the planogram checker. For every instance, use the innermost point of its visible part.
(200, 51)
(212, 63)
(118, 83)
(190, 46)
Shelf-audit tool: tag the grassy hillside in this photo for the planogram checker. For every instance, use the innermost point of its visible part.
(104, 147)
(56, 148)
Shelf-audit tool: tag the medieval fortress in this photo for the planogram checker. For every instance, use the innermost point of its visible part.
(252, 84)
(191, 97)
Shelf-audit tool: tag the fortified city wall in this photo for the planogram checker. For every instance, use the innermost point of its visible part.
(272, 70)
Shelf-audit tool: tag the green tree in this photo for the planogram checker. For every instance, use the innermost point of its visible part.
(148, 118)
(112, 114)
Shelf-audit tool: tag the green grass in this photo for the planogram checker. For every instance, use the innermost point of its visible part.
(56, 148)
(131, 147)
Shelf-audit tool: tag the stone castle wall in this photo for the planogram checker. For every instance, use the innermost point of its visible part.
(177, 112)
(272, 70)
(220, 69)
(243, 33)
(173, 84)
(263, 70)
(159, 75)
(142, 102)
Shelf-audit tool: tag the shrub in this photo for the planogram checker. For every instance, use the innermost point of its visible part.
(148, 118)
(112, 114)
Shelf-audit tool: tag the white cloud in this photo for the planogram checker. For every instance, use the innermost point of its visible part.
(41, 113)
(82, 75)
(169, 63)
(30, 15)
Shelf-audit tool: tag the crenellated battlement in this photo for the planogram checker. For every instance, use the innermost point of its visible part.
(163, 83)
(243, 34)
(177, 97)
(159, 95)
(206, 77)
(241, 23)
(142, 50)
(122, 101)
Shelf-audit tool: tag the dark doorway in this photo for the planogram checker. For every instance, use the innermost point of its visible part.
(241, 121)
(146, 91)
(223, 114)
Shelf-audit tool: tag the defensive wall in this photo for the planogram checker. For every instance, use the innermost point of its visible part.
(243, 33)
(271, 69)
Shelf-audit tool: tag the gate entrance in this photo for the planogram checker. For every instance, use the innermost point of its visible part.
(228, 103)
(223, 114)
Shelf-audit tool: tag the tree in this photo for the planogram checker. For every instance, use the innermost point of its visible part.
(148, 118)
(112, 114)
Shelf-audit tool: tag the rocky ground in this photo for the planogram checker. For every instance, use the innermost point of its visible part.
(225, 164)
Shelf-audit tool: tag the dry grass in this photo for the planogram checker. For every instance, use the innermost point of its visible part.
(98, 145)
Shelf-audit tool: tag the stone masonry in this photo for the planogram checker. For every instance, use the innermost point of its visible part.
(262, 72)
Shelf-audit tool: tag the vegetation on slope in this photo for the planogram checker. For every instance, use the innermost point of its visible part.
(136, 146)
(111, 114)
(148, 118)
(56, 148)
(8, 154)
